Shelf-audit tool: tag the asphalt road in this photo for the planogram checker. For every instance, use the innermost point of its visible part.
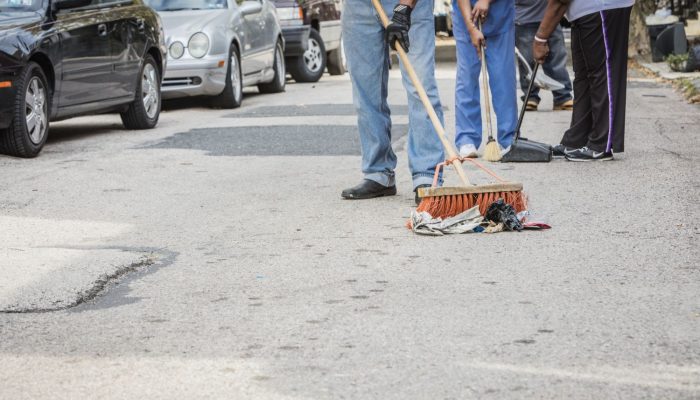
(212, 257)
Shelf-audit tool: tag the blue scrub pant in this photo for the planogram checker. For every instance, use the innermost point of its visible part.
(500, 62)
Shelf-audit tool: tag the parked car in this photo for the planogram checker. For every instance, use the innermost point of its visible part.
(216, 47)
(323, 49)
(63, 58)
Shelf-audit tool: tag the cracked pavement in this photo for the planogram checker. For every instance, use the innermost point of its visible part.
(264, 284)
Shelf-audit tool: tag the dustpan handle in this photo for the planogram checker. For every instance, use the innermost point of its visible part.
(452, 155)
(525, 99)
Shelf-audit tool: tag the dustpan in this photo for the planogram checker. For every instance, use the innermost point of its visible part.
(523, 149)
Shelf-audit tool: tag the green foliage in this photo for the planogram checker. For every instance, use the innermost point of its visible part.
(677, 62)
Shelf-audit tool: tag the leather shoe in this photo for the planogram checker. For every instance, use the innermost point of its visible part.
(368, 189)
(418, 198)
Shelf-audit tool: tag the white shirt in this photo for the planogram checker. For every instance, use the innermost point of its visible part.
(581, 8)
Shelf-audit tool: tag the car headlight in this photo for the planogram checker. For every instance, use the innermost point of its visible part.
(198, 45)
(177, 49)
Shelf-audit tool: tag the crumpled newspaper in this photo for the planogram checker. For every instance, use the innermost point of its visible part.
(424, 223)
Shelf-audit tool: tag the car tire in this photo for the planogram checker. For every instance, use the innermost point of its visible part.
(144, 111)
(232, 96)
(309, 67)
(32, 101)
(336, 60)
(279, 81)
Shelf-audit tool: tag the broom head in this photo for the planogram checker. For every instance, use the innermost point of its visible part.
(492, 152)
(445, 202)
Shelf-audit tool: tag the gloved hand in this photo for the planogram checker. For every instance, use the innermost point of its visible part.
(397, 30)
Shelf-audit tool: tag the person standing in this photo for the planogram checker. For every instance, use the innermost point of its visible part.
(599, 36)
(528, 15)
(498, 35)
(366, 45)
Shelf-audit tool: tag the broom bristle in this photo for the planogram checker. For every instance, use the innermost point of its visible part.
(492, 152)
(451, 205)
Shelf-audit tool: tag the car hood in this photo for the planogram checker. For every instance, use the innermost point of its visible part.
(15, 20)
(14, 37)
(179, 24)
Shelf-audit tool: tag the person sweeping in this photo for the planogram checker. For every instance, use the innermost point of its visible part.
(496, 39)
(599, 35)
(366, 44)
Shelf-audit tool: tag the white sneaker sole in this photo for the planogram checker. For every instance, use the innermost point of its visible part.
(588, 160)
(470, 155)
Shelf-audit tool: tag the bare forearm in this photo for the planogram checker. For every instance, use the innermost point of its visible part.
(465, 8)
(553, 14)
(410, 3)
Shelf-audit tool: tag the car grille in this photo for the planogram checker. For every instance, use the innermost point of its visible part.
(187, 81)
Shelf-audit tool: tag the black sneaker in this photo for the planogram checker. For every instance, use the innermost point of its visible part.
(418, 198)
(560, 151)
(586, 154)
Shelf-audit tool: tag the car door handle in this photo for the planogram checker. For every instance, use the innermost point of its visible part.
(102, 30)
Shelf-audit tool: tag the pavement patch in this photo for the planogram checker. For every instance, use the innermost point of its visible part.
(306, 110)
(63, 278)
(287, 140)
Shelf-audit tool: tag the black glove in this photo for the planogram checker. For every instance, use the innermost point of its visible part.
(397, 30)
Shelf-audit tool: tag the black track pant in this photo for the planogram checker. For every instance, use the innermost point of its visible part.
(599, 54)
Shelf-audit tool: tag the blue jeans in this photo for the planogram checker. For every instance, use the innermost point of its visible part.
(500, 62)
(554, 66)
(368, 63)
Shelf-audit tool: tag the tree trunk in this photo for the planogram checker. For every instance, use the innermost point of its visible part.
(639, 38)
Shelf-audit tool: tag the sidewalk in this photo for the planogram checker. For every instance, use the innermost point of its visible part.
(687, 82)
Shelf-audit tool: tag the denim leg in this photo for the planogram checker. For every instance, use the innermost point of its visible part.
(555, 66)
(468, 129)
(368, 64)
(425, 150)
(524, 36)
(500, 62)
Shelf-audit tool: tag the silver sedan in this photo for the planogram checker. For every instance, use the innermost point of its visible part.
(217, 47)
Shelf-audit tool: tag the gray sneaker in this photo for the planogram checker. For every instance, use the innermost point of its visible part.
(560, 151)
(586, 154)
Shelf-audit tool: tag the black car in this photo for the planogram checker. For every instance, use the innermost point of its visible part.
(64, 58)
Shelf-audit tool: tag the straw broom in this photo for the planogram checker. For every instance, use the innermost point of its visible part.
(492, 152)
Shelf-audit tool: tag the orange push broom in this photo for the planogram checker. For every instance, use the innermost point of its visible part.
(443, 202)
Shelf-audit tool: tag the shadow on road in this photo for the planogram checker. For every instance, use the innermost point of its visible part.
(67, 133)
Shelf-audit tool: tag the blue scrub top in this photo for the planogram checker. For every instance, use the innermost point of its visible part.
(501, 16)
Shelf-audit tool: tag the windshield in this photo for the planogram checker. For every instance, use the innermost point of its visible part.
(20, 5)
(178, 5)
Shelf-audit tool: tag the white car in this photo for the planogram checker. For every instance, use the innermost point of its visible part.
(217, 47)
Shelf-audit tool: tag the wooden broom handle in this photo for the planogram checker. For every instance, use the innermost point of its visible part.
(452, 153)
(487, 89)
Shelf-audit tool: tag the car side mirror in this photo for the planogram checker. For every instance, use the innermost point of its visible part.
(67, 4)
(249, 7)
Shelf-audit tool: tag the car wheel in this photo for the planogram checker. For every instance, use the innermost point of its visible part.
(232, 96)
(29, 129)
(279, 81)
(144, 111)
(309, 66)
(336, 60)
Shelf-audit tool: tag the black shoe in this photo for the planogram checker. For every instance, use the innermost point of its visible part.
(418, 198)
(368, 189)
(560, 151)
(586, 154)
